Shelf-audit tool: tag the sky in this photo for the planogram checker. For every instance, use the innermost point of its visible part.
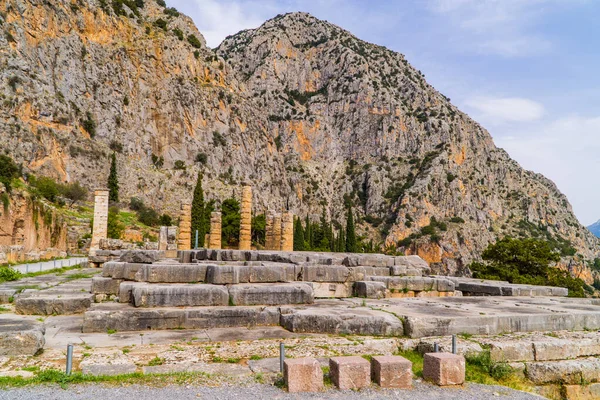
(527, 70)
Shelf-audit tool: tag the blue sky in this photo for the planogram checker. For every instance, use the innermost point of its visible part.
(527, 70)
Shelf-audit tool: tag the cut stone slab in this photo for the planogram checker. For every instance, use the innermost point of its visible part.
(264, 273)
(512, 351)
(370, 290)
(53, 304)
(6, 295)
(444, 369)
(124, 318)
(107, 369)
(171, 273)
(355, 321)
(480, 287)
(20, 337)
(177, 295)
(102, 285)
(350, 372)
(329, 290)
(142, 256)
(579, 392)
(265, 365)
(214, 368)
(361, 273)
(324, 273)
(303, 375)
(368, 260)
(570, 372)
(392, 372)
(270, 294)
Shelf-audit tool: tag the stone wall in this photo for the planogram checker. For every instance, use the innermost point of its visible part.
(185, 228)
(100, 228)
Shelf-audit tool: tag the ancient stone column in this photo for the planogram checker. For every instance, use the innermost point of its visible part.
(185, 228)
(246, 218)
(163, 238)
(287, 231)
(269, 231)
(276, 244)
(214, 237)
(100, 228)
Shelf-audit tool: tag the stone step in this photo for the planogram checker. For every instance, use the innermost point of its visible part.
(178, 295)
(478, 287)
(48, 304)
(574, 372)
(415, 283)
(271, 294)
(267, 273)
(121, 317)
(20, 337)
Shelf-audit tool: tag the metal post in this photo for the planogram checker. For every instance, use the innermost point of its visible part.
(26, 268)
(196, 242)
(69, 359)
(453, 344)
(281, 356)
(40, 267)
(436, 348)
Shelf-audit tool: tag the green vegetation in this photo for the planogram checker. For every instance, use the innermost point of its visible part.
(298, 235)
(178, 33)
(230, 222)
(194, 41)
(200, 213)
(156, 361)
(89, 124)
(259, 229)
(8, 171)
(114, 226)
(113, 180)
(525, 261)
(350, 233)
(9, 274)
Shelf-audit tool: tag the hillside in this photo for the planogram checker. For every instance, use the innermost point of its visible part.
(595, 228)
(308, 114)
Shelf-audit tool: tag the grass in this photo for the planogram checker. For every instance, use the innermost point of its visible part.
(156, 361)
(78, 275)
(57, 271)
(60, 378)
(3, 309)
(255, 357)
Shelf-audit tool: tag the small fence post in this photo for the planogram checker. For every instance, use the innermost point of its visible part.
(69, 359)
(281, 356)
(453, 344)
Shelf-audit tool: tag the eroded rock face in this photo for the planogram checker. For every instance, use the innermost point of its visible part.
(298, 108)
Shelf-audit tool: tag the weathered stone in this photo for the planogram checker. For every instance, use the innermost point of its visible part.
(100, 227)
(412, 261)
(512, 351)
(287, 231)
(214, 236)
(140, 319)
(351, 372)
(580, 392)
(370, 290)
(444, 369)
(141, 256)
(184, 241)
(362, 273)
(354, 321)
(392, 372)
(269, 221)
(271, 294)
(53, 304)
(276, 236)
(555, 349)
(102, 285)
(167, 238)
(571, 372)
(324, 273)
(171, 273)
(246, 218)
(329, 290)
(177, 295)
(303, 375)
(107, 369)
(368, 260)
(20, 337)
(7, 294)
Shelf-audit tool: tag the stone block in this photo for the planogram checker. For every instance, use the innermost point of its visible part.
(570, 372)
(579, 392)
(227, 274)
(271, 294)
(20, 337)
(53, 304)
(392, 372)
(109, 269)
(327, 290)
(415, 262)
(370, 290)
(102, 285)
(444, 285)
(178, 295)
(324, 273)
(171, 273)
(555, 349)
(444, 369)
(6, 295)
(142, 256)
(511, 351)
(350, 372)
(303, 375)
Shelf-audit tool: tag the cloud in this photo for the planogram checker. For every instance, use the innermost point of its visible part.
(504, 28)
(566, 151)
(508, 109)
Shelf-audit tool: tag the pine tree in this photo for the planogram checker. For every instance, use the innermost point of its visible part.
(113, 181)
(350, 233)
(298, 235)
(200, 214)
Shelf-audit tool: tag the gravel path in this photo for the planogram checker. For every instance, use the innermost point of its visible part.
(421, 391)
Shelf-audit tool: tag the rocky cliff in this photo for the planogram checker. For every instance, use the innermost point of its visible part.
(308, 114)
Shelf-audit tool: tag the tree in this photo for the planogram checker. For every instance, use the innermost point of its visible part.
(230, 222)
(45, 187)
(259, 223)
(298, 235)
(8, 171)
(165, 220)
(200, 213)
(113, 181)
(74, 192)
(350, 233)
(114, 227)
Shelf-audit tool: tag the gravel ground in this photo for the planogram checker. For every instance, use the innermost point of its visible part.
(420, 391)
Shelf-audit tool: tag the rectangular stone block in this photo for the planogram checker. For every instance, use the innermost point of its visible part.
(444, 285)
(270, 294)
(303, 375)
(324, 273)
(227, 274)
(392, 372)
(324, 290)
(350, 372)
(142, 256)
(444, 369)
(178, 295)
(512, 351)
(370, 290)
(125, 289)
(101, 285)
(175, 273)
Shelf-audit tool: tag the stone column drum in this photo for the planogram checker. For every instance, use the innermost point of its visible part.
(287, 231)
(269, 231)
(100, 228)
(185, 228)
(214, 236)
(276, 232)
(246, 218)
(163, 238)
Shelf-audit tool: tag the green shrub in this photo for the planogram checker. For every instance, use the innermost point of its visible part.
(179, 164)
(45, 187)
(194, 41)
(9, 274)
(89, 125)
(161, 23)
(201, 158)
(178, 33)
(457, 220)
(114, 226)
(8, 171)
(148, 216)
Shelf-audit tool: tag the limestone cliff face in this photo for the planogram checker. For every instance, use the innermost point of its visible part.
(303, 111)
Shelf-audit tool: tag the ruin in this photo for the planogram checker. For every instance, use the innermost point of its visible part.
(269, 221)
(276, 233)
(100, 227)
(184, 242)
(246, 219)
(167, 239)
(214, 236)
(287, 231)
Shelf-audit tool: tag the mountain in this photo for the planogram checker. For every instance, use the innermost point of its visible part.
(595, 228)
(311, 116)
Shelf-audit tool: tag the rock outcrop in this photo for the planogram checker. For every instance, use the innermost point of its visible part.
(300, 109)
